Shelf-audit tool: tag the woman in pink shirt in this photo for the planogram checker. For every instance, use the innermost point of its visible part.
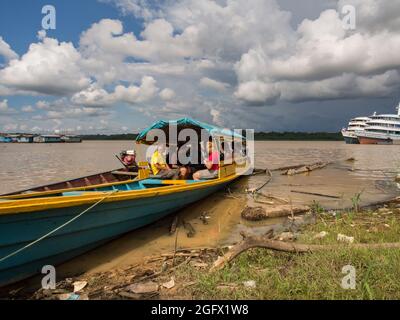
(212, 165)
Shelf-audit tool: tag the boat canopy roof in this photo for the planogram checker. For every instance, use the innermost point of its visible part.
(185, 123)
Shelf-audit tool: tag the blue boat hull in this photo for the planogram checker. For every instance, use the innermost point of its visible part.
(103, 223)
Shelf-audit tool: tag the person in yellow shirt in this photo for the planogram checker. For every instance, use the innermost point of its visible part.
(159, 165)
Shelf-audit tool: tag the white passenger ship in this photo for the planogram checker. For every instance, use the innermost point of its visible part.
(381, 129)
(356, 124)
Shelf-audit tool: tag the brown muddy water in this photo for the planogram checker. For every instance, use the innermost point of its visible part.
(371, 174)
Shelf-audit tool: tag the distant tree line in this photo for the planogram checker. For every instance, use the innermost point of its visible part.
(258, 136)
(299, 136)
(127, 136)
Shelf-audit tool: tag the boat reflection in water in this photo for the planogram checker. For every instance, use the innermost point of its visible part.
(51, 224)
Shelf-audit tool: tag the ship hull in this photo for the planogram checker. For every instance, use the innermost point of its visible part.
(367, 140)
(349, 137)
(351, 140)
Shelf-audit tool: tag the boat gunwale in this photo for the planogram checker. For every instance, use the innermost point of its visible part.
(20, 206)
(17, 195)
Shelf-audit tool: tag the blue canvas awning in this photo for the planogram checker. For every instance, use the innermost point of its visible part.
(189, 123)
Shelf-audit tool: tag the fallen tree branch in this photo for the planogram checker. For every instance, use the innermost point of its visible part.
(316, 194)
(256, 190)
(179, 254)
(153, 275)
(266, 243)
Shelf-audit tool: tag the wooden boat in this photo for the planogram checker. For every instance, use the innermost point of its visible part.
(48, 227)
(81, 183)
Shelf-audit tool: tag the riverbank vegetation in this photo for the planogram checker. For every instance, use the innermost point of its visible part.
(115, 137)
(266, 274)
(348, 239)
(298, 136)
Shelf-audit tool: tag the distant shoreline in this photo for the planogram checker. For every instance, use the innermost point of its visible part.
(258, 136)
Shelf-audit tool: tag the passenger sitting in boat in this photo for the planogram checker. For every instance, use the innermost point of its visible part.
(212, 164)
(226, 152)
(159, 165)
(184, 170)
(128, 159)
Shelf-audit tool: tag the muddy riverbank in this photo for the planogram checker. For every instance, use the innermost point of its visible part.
(318, 242)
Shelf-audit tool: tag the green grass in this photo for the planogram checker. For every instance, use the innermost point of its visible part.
(315, 275)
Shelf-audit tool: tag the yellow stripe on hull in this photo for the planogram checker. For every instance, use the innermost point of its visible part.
(53, 192)
(14, 206)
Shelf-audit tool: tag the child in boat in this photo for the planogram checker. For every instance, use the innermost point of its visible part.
(173, 163)
(212, 164)
(159, 164)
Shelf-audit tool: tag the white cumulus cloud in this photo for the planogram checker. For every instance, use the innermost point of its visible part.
(213, 84)
(95, 96)
(6, 51)
(49, 67)
(5, 108)
(167, 94)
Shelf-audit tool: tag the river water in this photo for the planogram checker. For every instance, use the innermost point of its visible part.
(26, 165)
(371, 175)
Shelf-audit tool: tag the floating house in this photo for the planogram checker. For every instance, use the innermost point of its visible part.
(13, 137)
(25, 139)
(47, 139)
(71, 139)
(5, 139)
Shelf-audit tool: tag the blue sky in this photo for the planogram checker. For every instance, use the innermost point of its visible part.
(21, 26)
(117, 65)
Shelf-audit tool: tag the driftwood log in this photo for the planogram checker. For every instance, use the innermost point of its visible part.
(267, 243)
(304, 169)
(297, 166)
(261, 213)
